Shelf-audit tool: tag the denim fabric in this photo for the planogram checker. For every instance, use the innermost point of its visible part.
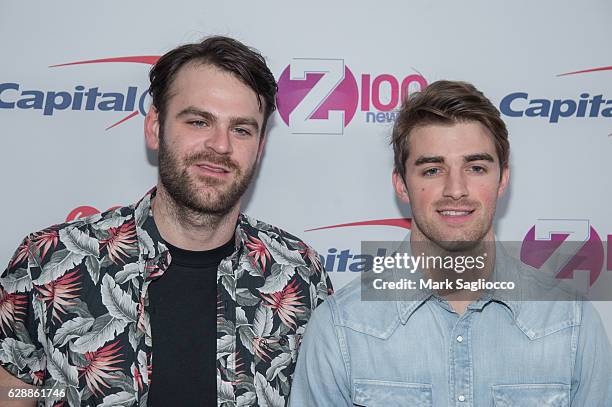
(500, 352)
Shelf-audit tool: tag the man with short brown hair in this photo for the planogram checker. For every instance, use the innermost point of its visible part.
(438, 335)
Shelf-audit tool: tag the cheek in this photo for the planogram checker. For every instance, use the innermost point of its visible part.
(247, 155)
(423, 199)
(488, 194)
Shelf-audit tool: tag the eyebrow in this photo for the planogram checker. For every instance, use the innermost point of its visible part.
(192, 111)
(478, 157)
(436, 159)
(429, 160)
(245, 121)
(234, 121)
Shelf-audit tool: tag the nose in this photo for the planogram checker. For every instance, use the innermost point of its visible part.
(455, 185)
(219, 141)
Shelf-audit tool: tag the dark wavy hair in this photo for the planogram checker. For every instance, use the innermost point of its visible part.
(225, 53)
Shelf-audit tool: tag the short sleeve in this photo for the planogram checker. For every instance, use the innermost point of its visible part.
(320, 281)
(20, 352)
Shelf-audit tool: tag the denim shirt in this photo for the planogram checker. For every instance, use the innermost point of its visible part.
(499, 352)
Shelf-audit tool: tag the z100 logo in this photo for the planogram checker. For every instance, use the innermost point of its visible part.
(575, 243)
(321, 96)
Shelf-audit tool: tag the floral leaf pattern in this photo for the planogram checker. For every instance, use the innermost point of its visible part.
(118, 303)
(60, 292)
(262, 325)
(20, 280)
(16, 352)
(280, 276)
(282, 254)
(79, 242)
(277, 365)
(73, 328)
(12, 309)
(100, 364)
(44, 240)
(93, 267)
(258, 251)
(103, 329)
(120, 242)
(267, 395)
(60, 369)
(74, 309)
(121, 399)
(61, 261)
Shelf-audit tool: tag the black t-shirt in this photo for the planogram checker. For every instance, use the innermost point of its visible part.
(182, 308)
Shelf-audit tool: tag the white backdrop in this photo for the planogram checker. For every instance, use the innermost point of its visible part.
(56, 159)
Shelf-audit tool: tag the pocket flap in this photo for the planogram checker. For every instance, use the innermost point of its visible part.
(531, 395)
(373, 393)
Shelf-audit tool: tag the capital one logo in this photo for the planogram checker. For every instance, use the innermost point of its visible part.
(321, 96)
(576, 244)
(586, 106)
(17, 96)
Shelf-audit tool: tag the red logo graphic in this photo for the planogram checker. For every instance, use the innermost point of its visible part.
(145, 59)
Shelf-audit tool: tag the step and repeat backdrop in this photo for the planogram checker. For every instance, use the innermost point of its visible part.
(73, 95)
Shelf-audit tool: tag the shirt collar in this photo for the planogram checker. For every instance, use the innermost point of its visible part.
(503, 271)
(152, 246)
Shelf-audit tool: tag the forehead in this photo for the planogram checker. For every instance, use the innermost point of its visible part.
(450, 140)
(208, 87)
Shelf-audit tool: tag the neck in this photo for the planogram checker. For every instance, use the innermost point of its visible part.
(459, 300)
(189, 229)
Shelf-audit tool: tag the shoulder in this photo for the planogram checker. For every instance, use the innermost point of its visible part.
(256, 227)
(545, 304)
(47, 254)
(284, 260)
(349, 310)
(281, 244)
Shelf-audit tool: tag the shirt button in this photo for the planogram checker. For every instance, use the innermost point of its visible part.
(461, 398)
(460, 339)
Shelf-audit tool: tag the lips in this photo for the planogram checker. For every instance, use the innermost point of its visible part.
(455, 212)
(208, 167)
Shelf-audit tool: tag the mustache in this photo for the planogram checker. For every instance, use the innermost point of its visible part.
(213, 158)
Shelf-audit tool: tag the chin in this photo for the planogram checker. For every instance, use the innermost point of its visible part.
(458, 245)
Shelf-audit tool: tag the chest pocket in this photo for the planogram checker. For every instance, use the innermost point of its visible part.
(531, 395)
(378, 393)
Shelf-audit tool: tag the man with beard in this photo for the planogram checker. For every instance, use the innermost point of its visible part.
(374, 344)
(117, 309)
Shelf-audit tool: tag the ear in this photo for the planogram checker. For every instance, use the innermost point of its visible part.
(503, 182)
(151, 128)
(400, 187)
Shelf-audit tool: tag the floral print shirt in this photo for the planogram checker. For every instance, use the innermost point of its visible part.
(74, 316)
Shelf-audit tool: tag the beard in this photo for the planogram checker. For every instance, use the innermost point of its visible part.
(465, 240)
(201, 194)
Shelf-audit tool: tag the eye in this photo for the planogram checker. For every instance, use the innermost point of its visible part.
(198, 123)
(242, 131)
(430, 172)
(478, 169)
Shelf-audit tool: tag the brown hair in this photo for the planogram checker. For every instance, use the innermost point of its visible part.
(447, 102)
(225, 53)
